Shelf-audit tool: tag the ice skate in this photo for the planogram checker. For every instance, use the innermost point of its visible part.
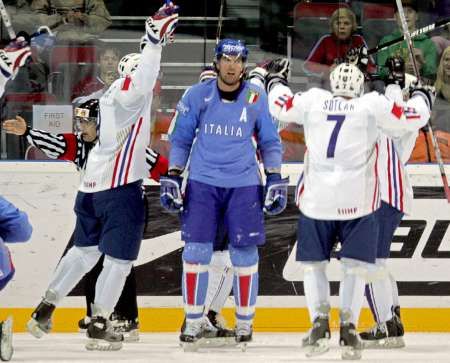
(215, 331)
(102, 336)
(244, 334)
(83, 324)
(316, 342)
(129, 328)
(41, 319)
(387, 335)
(6, 348)
(349, 341)
(192, 334)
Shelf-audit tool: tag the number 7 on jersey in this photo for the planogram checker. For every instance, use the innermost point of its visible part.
(339, 119)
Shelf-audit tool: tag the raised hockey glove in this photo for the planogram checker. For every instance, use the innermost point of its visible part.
(170, 193)
(428, 93)
(277, 72)
(276, 190)
(258, 75)
(359, 57)
(13, 57)
(160, 27)
(396, 71)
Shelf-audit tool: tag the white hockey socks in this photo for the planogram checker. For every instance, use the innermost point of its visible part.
(317, 287)
(220, 281)
(72, 267)
(379, 292)
(351, 290)
(110, 283)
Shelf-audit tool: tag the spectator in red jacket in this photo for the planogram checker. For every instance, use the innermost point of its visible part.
(331, 49)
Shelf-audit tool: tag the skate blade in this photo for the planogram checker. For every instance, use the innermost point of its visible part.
(350, 353)
(387, 343)
(131, 337)
(6, 348)
(242, 346)
(102, 345)
(34, 330)
(190, 347)
(218, 342)
(320, 347)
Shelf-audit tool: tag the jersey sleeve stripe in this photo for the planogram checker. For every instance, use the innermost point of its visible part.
(126, 84)
(71, 149)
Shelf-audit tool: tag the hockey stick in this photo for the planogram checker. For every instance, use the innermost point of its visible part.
(437, 152)
(7, 21)
(219, 24)
(415, 33)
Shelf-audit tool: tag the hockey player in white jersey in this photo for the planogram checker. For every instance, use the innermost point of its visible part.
(109, 204)
(339, 191)
(396, 195)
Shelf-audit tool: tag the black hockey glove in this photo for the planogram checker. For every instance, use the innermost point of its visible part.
(359, 57)
(277, 72)
(396, 68)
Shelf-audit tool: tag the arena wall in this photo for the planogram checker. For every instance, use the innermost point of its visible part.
(46, 191)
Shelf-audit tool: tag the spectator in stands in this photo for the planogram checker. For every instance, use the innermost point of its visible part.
(442, 40)
(73, 20)
(424, 48)
(108, 59)
(331, 49)
(440, 118)
(441, 108)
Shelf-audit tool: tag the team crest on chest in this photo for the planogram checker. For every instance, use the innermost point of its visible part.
(252, 96)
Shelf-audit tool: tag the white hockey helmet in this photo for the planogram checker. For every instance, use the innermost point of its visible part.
(347, 80)
(128, 64)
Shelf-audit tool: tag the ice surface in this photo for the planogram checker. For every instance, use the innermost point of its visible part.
(279, 347)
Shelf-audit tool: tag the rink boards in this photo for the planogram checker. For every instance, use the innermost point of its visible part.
(46, 191)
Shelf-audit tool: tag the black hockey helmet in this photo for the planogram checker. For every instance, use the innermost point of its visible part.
(87, 111)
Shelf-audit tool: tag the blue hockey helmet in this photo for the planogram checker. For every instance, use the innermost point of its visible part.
(234, 47)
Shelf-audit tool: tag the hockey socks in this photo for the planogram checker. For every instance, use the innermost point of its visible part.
(379, 292)
(351, 291)
(317, 288)
(196, 258)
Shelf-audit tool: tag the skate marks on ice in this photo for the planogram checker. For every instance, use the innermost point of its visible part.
(164, 347)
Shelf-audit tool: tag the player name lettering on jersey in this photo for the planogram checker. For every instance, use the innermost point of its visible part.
(334, 105)
(222, 130)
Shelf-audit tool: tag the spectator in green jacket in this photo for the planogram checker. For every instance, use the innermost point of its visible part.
(424, 48)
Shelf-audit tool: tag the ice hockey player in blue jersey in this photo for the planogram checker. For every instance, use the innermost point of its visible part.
(228, 117)
(14, 228)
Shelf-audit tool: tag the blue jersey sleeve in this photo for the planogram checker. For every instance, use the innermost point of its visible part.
(14, 224)
(267, 135)
(184, 129)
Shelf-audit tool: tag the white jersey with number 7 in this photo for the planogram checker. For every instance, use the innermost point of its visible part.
(341, 181)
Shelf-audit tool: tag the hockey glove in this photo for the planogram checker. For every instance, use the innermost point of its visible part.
(275, 199)
(13, 57)
(428, 93)
(258, 75)
(396, 69)
(359, 57)
(277, 72)
(161, 26)
(170, 193)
